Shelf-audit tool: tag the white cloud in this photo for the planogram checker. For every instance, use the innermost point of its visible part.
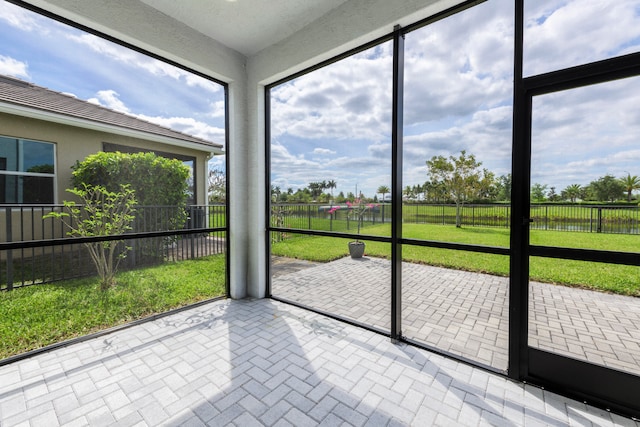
(217, 109)
(458, 80)
(109, 99)
(296, 171)
(194, 80)
(280, 155)
(323, 151)
(20, 18)
(459, 65)
(135, 59)
(189, 126)
(458, 96)
(487, 135)
(13, 67)
(350, 99)
(564, 33)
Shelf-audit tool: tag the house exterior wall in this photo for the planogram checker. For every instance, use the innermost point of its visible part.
(74, 144)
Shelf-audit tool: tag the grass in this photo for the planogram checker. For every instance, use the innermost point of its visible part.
(620, 279)
(36, 316)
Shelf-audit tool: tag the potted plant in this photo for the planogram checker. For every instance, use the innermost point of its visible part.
(357, 209)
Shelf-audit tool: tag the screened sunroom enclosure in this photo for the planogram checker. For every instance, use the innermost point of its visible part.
(351, 101)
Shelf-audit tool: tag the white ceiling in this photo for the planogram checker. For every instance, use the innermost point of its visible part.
(247, 26)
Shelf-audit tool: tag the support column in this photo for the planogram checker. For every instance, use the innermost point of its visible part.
(396, 185)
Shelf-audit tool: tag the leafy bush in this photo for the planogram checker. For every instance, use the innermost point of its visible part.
(157, 181)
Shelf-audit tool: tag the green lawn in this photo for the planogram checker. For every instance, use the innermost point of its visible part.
(620, 279)
(36, 316)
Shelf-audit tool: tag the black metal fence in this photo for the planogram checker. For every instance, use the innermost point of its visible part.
(582, 218)
(41, 262)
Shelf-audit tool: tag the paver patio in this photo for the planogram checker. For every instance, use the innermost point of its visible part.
(466, 313)
(263, 363)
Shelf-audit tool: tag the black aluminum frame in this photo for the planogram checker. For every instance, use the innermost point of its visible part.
(597, 385)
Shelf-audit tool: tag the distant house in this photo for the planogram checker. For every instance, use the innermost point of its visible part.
(43, 133)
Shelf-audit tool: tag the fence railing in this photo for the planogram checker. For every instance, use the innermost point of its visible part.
(44, 263)
(581, 218)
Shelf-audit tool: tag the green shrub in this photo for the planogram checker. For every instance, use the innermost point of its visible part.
(157, 181)
(160, 186)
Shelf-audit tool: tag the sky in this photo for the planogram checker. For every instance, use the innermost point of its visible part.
(335, 123)
(61, 58)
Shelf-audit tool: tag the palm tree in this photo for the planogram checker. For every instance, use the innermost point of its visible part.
(572, 192)
(630, 183)
(383, 189)
(331, 185)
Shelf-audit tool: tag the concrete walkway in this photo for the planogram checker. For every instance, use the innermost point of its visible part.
(466, 313)
(262, 363)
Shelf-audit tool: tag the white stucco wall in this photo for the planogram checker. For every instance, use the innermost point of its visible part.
(347, 26)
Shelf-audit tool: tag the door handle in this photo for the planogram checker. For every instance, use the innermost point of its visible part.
(527, 221)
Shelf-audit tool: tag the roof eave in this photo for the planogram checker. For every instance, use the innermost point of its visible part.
(33, 113)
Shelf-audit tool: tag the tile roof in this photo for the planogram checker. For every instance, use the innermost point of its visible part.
(21, 93)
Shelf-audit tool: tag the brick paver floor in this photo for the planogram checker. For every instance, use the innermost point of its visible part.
(466, 313)
(263, 363)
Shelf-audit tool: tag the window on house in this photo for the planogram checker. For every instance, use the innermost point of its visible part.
(27, 171)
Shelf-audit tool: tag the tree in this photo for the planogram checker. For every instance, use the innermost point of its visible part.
(572, 192)
(331, 184)
(538, 192)
(435, 191)
(315, 188)
(503, 187)
(104, 213)
(607, 189)
(217, 186)
(461, 178)
(275, 194)
(420, 190)
(408, 193)
(302, 195)
(552, 195)
(630, 183)
(383, 189)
